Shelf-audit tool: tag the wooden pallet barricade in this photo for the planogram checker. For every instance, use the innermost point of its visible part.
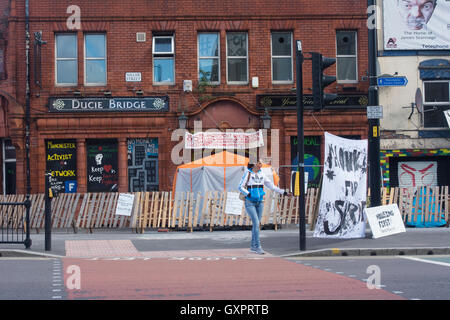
(187, 210)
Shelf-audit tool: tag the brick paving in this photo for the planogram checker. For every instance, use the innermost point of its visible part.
(101, 248)
(223, 279)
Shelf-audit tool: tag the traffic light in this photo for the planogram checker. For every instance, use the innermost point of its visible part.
(320, 80)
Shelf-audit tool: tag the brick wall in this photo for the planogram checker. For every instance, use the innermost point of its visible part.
(313, 22)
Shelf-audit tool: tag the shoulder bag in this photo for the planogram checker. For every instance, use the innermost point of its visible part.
(241, 195)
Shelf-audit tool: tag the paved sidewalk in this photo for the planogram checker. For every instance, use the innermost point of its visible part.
(282, 243)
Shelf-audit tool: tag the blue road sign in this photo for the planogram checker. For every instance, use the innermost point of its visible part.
(392, 81)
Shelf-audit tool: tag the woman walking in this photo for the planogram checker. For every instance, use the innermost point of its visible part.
(252, 186)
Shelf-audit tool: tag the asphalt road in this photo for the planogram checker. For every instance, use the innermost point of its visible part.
(31, 279)
(414, 278)
(242, 277)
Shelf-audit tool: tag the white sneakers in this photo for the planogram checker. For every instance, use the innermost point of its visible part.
(257, 250)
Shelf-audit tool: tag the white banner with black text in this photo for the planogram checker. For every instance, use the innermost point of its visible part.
(344, 189)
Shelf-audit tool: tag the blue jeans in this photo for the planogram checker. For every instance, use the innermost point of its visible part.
(255, 210)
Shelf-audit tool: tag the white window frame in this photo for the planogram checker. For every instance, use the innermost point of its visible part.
(290, 56)
(171, 37)
(163, 55)
(237, 57)
(425, 103)
(62, 84)
(95, 84)
(347, 56)
(209, 57)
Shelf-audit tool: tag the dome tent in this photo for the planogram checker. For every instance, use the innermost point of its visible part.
(219, 172)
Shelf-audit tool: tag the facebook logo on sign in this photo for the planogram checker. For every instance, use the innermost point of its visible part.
(71, 186)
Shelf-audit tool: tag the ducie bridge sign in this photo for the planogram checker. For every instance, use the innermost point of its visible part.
(122, 104)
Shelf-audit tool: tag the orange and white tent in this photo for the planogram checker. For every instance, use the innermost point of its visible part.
(219, 172)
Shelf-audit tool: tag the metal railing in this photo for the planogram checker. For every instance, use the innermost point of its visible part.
(15, 223)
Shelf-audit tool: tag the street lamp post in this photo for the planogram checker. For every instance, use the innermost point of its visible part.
(300, 145)
(28, 241)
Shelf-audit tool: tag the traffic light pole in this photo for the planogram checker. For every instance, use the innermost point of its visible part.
(300, 145)
(374, 124)
(48, 214)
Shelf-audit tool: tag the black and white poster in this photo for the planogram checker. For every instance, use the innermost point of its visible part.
(61, 163)
(102, 166)
(416, 24)
(344, 189)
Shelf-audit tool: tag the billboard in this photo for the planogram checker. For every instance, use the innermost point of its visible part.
(416, 24)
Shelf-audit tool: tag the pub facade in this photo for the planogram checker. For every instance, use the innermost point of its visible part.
(111, 85)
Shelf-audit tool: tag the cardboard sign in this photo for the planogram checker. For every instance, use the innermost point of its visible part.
(233, 204)
(385, 220)
(125, 204)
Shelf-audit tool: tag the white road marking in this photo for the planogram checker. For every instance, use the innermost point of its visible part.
(428, 261)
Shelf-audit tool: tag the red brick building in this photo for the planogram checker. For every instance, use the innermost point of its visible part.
(108, 82)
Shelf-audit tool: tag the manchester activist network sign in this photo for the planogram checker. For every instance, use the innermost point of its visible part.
(416, 24)
(344, 189)
(61, 163)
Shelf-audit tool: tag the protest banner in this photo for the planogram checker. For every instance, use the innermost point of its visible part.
(344, 189)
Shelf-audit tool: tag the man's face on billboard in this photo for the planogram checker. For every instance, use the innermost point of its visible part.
(416, 13)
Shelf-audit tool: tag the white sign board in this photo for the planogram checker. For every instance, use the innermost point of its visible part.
(344, 189)
(447, 116)
(416, 24)
(233, 205)
(374, 112)
(125, 204)
(223, 140)
(385, 220)
(133, 77)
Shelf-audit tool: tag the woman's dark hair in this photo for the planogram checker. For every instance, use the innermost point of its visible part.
(251, 164)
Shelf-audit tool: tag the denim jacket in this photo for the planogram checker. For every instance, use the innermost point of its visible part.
(254, 189)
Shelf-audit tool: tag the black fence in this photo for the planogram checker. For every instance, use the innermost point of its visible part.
(15, 223)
